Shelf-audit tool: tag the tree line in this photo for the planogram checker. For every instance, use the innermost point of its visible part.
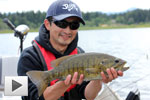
(92, 19)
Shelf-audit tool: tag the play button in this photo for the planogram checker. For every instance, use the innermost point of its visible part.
(16, 86)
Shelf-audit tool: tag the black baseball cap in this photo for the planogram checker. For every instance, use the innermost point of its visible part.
(61, 9)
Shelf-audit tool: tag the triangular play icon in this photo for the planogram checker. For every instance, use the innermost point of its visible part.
(15, 85)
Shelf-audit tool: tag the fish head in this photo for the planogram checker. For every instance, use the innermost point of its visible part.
(110, 61)
(120, 64)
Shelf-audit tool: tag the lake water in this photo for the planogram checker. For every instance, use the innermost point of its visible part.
(132, 45)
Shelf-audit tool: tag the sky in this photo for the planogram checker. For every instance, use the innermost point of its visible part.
(105, 6)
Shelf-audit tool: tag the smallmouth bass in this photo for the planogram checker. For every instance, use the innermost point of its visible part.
(88, 64)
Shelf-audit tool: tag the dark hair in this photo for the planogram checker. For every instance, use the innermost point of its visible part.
(50, 19)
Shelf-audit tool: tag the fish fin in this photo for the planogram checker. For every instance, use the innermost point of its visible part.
(37, 78)
(91, 70)
(56, 62)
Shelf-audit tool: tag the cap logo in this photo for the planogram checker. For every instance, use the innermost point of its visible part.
(69, 7)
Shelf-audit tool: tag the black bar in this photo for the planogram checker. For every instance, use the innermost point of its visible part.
(8, 22)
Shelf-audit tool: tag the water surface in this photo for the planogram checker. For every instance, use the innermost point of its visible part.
(132, 45)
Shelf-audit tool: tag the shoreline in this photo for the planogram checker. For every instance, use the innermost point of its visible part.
(104, 26)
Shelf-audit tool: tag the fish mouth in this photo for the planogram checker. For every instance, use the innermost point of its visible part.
(122, 66)
(126, 67)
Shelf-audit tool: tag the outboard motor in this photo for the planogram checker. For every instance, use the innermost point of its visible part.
(20, 31)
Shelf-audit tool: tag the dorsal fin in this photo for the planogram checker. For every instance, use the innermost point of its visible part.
(57, 61)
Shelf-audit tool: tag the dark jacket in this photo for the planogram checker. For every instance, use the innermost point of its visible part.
(30, 60)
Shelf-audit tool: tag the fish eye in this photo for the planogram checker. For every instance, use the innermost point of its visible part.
(116, 61)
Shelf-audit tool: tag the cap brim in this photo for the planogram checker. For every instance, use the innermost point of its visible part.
(61, 17)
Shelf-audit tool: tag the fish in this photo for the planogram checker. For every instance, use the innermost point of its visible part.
(89, 64)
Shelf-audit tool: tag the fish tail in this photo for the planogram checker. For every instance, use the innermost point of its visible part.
(39, 79)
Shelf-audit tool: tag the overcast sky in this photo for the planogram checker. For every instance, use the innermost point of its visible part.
(85, 5)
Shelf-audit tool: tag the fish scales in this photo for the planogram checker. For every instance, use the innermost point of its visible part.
(93, 63)
(70, 66)
(78, 65)
(88, 64)
(75, 65)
